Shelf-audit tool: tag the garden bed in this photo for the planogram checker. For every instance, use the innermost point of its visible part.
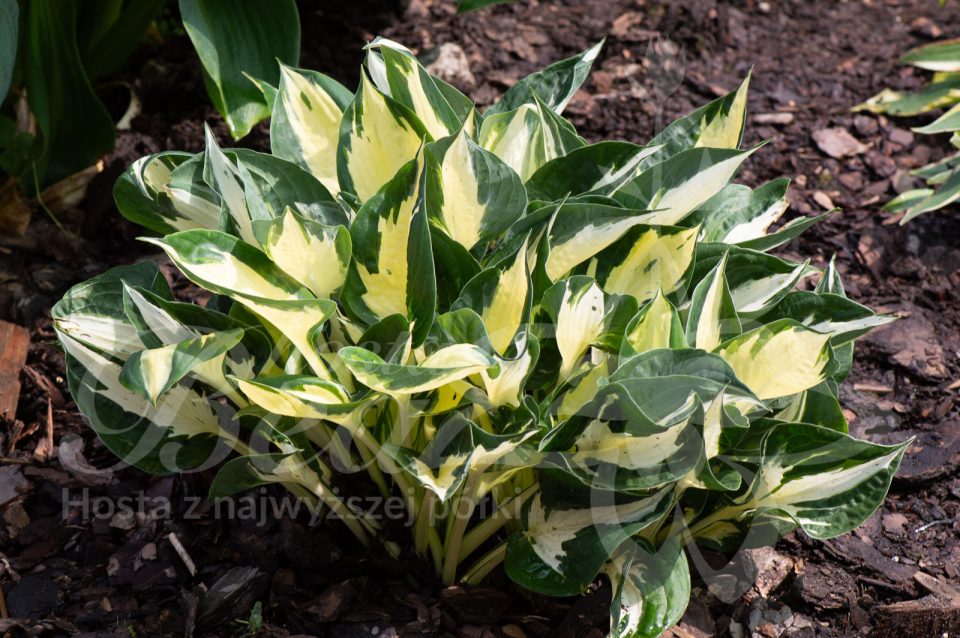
(122, 575)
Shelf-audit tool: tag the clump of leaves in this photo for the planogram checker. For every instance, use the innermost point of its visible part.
(571, 359)
(942, 178)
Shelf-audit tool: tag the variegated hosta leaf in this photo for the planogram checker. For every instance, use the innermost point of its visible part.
(296, 468)
(942, 92)
(677, 362)
(408, 83)
(822, 480)
(459, 446)
(247, 472)
(582, 389)
(92, 313)
(554, 85)
(651, 588)
(152, 372)
(301, 396)
(947, 193)
(378, 136)
(611, 444)
(739, 213)
(778, 359)
(712, 317)
(561, 550)
(151, 437)
(834, 315)
(255, 187)
(268, 91)
(220, 173)
(757, 281)
(444, 366)
(645, 260)
(528, 137)
(723, 426)
(830, 280)
(472, 195)
(155, 326)
(462, 106)
(501, 296)
(305, 126)
(907, 200)
(938, 172)
(718, 124)
(682, 183)
(936, 56)
(156, 192)
(315, 255)
(949, 122)
(584, 316)
(443, 465)
(503, 382)
(578, 231)
(599, 169)
(454, 265)
(225, 265)
(662, 382)
(271, 185)
(392, 271)
(657, 325)
(161, 322)
(292, 470)
(505, 388)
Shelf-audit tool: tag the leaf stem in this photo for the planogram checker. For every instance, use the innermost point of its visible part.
(424, 522)
(485, 564)
(370, 451)
(460, 517)
(509, 510)
(359, 526)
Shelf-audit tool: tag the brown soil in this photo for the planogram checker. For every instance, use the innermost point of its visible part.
(812, 60)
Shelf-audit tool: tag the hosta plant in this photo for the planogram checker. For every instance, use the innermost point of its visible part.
(568, 359)
(942, 178)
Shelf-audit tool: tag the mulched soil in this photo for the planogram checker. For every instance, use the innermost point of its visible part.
(119, 574)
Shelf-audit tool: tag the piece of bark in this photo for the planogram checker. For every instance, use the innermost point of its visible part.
(70, 453)
(937, 614)
(824, 587)
(232, 595)
(482, 605)
(328, 606)
(932, 455)
(859, 555)
(14, 341)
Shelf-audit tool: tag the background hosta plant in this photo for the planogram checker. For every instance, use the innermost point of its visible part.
(571, 359)
(57, 60)
(942, 178)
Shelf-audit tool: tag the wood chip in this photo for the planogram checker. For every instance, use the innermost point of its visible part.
(44, 449)
(182, 553)
(892, 220)
(773, 118)
(70, 453)
(838, 143)
(878, 388)
(823, 200)
(14, 341)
